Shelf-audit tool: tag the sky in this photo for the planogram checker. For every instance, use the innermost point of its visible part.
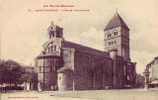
(23, 30)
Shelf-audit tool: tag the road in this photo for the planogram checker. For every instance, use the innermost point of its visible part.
(133, 94)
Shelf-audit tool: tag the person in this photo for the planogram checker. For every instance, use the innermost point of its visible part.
(39, 87)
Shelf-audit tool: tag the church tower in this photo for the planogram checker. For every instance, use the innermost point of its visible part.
(50, 59)
(117, 37)
(53, 45)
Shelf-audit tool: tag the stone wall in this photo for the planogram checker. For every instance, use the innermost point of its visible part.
(107, 75)
(47, 71)
(65, 80)
(68, 57)
(92, 71)
(83, 71)
(118, 72)
(65, 73)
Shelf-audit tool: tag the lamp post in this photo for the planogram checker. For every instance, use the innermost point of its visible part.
(146, 75)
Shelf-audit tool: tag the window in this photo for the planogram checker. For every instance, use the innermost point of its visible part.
(112, 42)
(49, 49)
(109, 43)
(115, 33)
(52, 28)
(40, 68)
(58, 33)
(52, 33)
(55, 47)
(109, 35)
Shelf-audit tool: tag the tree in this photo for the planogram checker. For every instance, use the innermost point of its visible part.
(139, 81)
(2, 69)
(10, 72)
(29, 76)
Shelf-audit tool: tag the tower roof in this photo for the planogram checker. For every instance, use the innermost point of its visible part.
(115, 22)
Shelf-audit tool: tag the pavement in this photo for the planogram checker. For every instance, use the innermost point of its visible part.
(127, 94)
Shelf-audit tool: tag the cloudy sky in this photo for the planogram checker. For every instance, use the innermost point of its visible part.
(23, 30)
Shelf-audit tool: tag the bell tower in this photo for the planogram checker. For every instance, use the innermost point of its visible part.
(54, 44)
(55, 31)
(50, 59)
(116, 37)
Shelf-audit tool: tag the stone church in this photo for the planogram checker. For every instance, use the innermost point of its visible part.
(65, 65)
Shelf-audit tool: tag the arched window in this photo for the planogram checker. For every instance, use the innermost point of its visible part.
(115, 33)
(109, 35)
(55, 49)
(52, 34)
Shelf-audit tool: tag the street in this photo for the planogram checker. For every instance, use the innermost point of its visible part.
(133, 94)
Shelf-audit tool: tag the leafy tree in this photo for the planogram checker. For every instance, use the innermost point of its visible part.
(139, 81)
(2, 69)
(10, 72)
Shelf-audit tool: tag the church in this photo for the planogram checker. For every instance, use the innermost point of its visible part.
(65, 65)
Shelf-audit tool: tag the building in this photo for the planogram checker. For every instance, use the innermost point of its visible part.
(64, 65)
(151, 72)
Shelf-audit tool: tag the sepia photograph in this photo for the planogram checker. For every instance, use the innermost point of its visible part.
(78, 50)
